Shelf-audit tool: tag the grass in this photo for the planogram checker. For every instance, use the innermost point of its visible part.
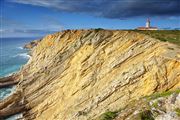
(155, 104)
(177, 110)
(109, 115)
(172, 36)
(162, 94)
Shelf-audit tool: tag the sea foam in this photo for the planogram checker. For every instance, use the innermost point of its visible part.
(20, 47)
(23, 55)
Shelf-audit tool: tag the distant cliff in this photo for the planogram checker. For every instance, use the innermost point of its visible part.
(31, 44)
(80, 74)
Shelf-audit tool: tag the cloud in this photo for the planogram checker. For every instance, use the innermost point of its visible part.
(7, 22)
(25, 32)
(50, 22)
(11, 27)
(118, 9)
(29, 31)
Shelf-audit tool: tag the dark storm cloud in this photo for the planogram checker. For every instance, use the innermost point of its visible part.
(118, 9)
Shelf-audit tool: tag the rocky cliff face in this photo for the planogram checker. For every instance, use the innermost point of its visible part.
(80, 74)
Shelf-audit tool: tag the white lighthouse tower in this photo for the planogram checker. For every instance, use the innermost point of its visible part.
(148, 23)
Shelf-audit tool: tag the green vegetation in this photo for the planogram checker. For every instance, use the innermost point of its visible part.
(162, 94)
(155, 104)
(177, 110)
(172, 36)
(98, 29)
(108, 115)
(146, 115)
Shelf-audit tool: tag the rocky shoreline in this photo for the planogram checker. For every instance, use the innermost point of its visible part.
(13, 104)
(32, 44)
(8, 81)
(79, 74)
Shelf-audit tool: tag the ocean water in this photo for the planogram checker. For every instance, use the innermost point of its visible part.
(12, 57)
(12, 54)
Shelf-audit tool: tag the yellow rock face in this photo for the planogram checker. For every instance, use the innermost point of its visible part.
(79, 74)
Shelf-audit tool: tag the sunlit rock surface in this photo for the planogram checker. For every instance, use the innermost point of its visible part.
(79, 74)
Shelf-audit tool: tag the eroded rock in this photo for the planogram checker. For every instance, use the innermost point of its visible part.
(79, 74)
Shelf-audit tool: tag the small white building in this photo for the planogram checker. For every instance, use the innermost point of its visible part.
(148, 26)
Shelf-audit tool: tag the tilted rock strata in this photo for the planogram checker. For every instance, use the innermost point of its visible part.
(79, 74)
(8, 81)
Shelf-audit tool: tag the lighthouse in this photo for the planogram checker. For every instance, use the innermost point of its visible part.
(148, 23)
(148, 26)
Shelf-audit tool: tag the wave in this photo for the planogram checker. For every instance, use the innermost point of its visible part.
(15, 117)
(7, 75)
(23, 55)
(20, 48)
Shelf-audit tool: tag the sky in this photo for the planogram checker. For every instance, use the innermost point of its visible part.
(33, 18)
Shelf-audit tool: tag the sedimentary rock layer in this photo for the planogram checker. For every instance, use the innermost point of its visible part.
(8, 81)
(79, 74)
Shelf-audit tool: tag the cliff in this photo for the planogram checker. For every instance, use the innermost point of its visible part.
(80, 74)
(32, 44)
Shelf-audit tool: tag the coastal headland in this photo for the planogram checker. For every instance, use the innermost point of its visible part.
(85, 74)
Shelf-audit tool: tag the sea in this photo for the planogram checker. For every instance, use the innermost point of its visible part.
(12, 58)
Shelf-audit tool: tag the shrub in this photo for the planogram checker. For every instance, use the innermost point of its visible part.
(146, 115)
(98, 29)
(108, 115)
(177, 110)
